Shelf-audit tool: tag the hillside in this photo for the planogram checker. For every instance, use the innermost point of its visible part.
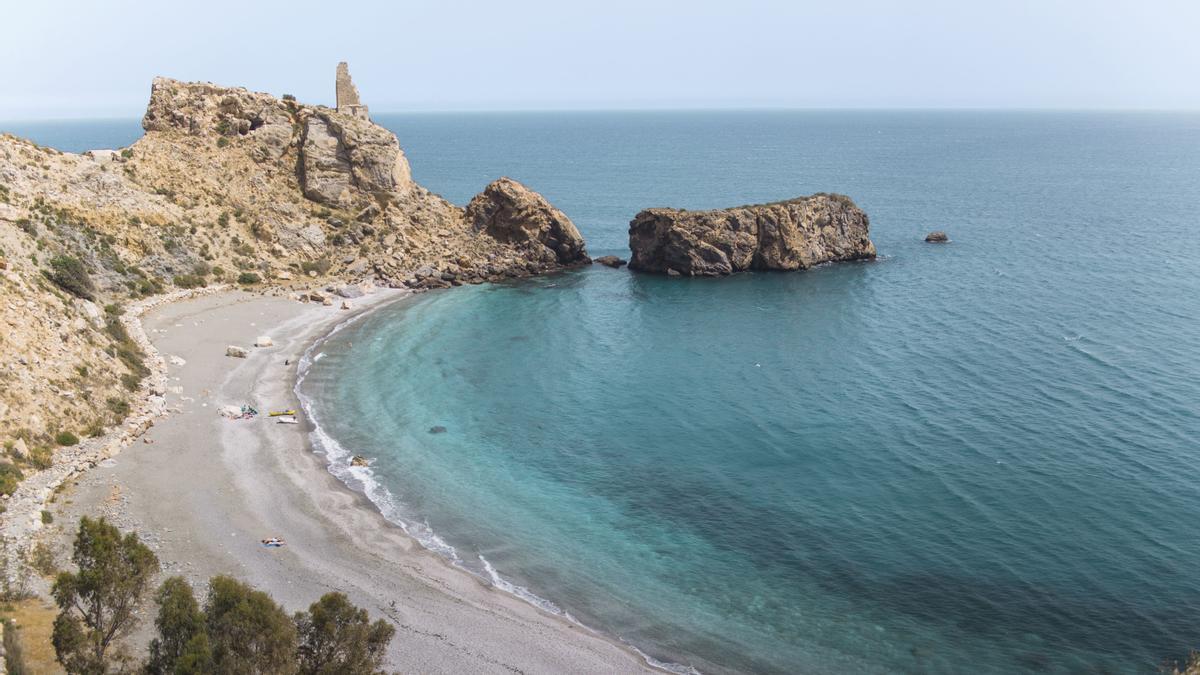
(226, 186)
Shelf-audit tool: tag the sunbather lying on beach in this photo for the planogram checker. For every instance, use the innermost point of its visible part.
(273, 542)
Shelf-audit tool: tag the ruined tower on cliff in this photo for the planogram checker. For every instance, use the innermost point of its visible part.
(347, 94)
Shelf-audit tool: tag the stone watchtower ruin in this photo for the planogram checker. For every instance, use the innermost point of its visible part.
(347, 94)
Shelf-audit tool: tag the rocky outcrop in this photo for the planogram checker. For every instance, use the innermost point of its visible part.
(611, 261)
(789, 235)
(512, 213)
(340, 153)
(937, 237)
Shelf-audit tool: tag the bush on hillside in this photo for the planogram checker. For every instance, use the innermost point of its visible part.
(71, 275)
(10, 477)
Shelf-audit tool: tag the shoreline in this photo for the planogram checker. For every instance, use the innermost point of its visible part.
(204, 509)
(431, 541)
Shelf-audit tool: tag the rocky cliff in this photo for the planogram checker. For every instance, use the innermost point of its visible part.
(789, 235)
(226, 185)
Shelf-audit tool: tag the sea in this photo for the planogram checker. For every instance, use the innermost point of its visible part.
(980, 456)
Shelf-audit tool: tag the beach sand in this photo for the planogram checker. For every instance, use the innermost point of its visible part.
(203, 490)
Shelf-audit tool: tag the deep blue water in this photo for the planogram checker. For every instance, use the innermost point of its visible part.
(973, 457)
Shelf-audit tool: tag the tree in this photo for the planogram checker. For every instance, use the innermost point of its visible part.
(249, 633)
(182, 643)
(337, 638)
(97, 604)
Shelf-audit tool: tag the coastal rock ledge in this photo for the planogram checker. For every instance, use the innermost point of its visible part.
(790, 235)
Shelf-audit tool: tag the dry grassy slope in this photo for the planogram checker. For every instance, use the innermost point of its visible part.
(225, 183)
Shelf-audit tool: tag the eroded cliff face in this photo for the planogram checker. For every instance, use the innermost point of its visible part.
(227, 185)
(790, 235)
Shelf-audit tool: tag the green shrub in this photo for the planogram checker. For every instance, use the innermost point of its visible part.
(127, 153)
(10, 477)
(320, 266)
(247, 278)
(131, 381)
(222, 142)
(118, 406)
(41, 458)
(41, 558)
(189, 281)
(66, 438)
(70, 274)
(95, 429)
(202, 269)
(47, 517)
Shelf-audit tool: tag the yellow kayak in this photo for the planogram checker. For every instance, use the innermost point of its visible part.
(280, 413)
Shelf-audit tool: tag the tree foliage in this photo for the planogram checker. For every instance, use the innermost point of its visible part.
(248, 631)
(182, 643)
(337, 638)
(98, 604)
(238, 631)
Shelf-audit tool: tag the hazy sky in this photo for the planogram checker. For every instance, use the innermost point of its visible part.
(96, 57)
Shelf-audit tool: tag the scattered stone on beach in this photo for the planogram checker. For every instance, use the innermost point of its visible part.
(937, 237)
(437, 430)
(177, 361)
(264, 341)
(345, 304)
(316, 296)
(611, 261)
(350, 291)
(359, 460)
(327, 302)
(284, 276)
(236, 352)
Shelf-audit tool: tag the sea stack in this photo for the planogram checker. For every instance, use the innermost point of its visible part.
(938, 237)
(790, 235)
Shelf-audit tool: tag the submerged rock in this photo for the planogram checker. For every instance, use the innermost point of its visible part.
(938, 237)
(437, 430)
(789, 235)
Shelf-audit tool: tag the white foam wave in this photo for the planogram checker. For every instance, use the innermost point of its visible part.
(338, 463)
(523, 593)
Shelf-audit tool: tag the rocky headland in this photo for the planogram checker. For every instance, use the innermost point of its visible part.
(227, 186)
(790, 235)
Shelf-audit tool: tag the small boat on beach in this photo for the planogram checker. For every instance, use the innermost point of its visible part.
(281, 413)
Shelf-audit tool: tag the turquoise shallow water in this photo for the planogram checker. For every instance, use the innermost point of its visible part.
(974, 457)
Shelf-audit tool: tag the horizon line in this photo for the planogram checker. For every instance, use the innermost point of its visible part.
(681, 109)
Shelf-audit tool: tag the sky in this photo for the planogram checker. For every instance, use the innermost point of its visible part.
(96, 58)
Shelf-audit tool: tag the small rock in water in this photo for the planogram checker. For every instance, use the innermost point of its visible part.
(437, 430)
(359, 460)
(611, 261)
(938, 237)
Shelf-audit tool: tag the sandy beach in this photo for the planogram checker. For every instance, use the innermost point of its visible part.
(203, 490)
